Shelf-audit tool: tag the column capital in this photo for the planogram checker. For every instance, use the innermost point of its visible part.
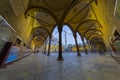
(59, 28)
(82, 38)
(74, 34)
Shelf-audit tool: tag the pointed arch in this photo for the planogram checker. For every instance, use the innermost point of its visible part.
(40, 37)
(88, 20)
(71, 27)
(70, 6)
(33, 9)
(93, 34)
(40, 27)
(96, 38)
(92, 30)
(39, 31)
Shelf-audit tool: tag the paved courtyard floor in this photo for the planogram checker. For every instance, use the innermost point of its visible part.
(43, 67)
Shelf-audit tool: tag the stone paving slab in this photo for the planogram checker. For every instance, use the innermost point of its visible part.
(43, 67)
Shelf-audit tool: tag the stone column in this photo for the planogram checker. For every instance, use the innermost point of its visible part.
(78, 52)
(40, 50)
(89, 46)
(49, 45)
(84, 45)
(45, 48)
(60, 57)
(92, 47)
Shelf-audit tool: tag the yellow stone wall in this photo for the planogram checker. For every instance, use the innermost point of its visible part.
(104, 12)
(22, 25)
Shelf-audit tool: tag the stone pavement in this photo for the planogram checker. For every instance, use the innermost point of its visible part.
(43, 67)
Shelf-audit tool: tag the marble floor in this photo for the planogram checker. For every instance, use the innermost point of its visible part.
(43, 67)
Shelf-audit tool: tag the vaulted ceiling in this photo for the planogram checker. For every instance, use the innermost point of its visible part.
(50, 13)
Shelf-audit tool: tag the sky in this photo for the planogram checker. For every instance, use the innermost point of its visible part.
(69, 35)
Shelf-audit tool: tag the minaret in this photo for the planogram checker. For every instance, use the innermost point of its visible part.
(65, 39)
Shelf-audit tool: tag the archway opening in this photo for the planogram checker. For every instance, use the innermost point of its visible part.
(71, 42)
(54, 41)
(80, 43)
(68, 41)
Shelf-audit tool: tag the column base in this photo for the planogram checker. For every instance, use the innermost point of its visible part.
(79, 55)
(86, 53)
(48, 55)
(60, 59)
